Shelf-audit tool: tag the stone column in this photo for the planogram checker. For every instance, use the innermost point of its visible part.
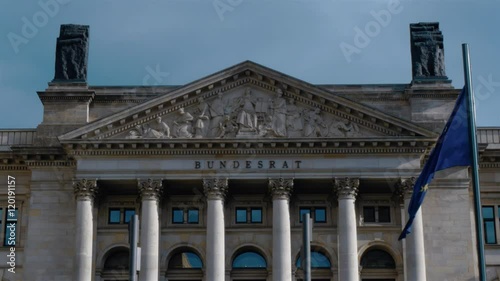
(85, 191)
(215, 190)
(280, 190)
(150, 192)
(414, 250)
(347, 189)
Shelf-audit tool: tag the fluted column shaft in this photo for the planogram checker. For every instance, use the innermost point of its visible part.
(415, 249)
(215, 190)
(347, 189)
(150, 192)
(280, 190)
(85, 191)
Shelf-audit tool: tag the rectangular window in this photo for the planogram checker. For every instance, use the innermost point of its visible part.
(256, 215)
(380, 214)
(177, 215)
(10, 234)
(114, 216)
(129, 213)
(489, 225)
(193, 215)
(241, 215)
(320, 215)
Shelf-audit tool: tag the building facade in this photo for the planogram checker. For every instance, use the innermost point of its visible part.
(220, 171)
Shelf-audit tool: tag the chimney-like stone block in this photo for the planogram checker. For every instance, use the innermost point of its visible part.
(72, 54)
(427, 53)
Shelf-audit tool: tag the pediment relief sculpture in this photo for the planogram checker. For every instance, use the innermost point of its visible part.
(247, 113)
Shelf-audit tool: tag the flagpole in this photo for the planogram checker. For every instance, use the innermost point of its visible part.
(475, 175)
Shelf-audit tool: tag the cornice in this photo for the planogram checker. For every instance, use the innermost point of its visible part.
(62, 96)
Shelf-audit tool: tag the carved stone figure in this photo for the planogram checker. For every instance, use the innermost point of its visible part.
(344, 129)
(314, 125)
(202, 119)
(133, 134)
(427, 50)
(183, 124)
(217, 112)
(247, 119)
(158, 129)
(278, 106)
(293, 117)
(72, 53)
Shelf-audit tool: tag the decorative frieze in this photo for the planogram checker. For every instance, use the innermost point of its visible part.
(150, 189)
(346, 188)
(281, 188)
(215, 188)
(85, 189)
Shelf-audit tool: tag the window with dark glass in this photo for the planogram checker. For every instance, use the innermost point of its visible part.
(318, 214)
(377, 259)
(489, 225)
(241, 215)
(318, 260)
(185, 260)
(249, 260)
(193, 215)
(177, 215)
(248, 215)
(129, 213)
(114, 216)
(377, 214)
(256, 215)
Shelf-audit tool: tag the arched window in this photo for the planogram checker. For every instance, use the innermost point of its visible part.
(248, 264)
(184, 264)
(249, 260)
(116, 265)
(185, 260)
(378, 264)
(318, 260)
(377, 259)
(320, 266)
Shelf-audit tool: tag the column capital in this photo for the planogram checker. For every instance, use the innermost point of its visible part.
(215, 188)
(85, 189)
(150, 189)
(281, 188)
(346, 188)
(404, 188)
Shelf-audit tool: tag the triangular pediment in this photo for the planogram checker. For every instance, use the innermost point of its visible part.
(247, 101)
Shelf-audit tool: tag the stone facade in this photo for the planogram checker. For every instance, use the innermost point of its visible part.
(219, 171)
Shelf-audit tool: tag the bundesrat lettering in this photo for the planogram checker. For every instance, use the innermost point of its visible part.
(247, 164)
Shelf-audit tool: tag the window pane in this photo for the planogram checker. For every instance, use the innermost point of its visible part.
(384, 214)
(320, 215)
(318, 260)
(377, 259)
(177, 216)
(193, 216)
(369, 214)
(303, 211)
(488, 212)
(241, 215)
(489, 232)
(257, 215)
(249, 260)
(114, 216)
(129, 213)
(185, 260)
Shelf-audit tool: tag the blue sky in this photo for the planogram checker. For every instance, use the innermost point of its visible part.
(189, 39)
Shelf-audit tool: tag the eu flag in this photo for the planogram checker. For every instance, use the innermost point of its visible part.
(453, 148)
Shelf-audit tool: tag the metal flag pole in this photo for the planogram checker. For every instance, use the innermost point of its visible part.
(471, 114)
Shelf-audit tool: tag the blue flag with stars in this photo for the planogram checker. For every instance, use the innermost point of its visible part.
(453, 148)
